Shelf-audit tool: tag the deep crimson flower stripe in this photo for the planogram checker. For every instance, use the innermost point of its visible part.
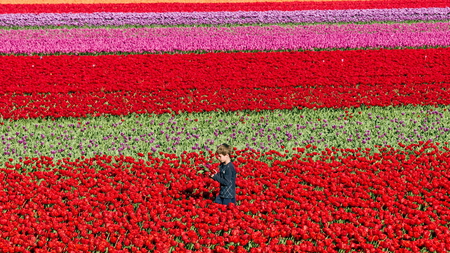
(314, 200)
(96, 103)
(192, 7)
(69, 73)
(64, 86)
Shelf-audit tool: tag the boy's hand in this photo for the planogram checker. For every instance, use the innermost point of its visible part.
(205, 170)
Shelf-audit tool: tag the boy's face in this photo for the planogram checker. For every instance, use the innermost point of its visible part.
(222, 158)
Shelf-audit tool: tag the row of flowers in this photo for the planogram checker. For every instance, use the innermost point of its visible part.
(259, 131)
(186, 73)
(71, 86)
(210, 7)
(315, 201)
(220, 18)
(82, 104)
(241, 38)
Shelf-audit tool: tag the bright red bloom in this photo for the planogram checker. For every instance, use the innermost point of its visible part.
(124, 84)
(147, 204)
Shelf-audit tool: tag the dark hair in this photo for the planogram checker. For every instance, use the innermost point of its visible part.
(224, 149)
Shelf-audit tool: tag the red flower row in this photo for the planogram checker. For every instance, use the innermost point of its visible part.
(82, 104)
(61, 86)
(202, 7)
(317, 201)
(150, 72)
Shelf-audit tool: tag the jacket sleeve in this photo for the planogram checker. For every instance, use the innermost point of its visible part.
(226, 180)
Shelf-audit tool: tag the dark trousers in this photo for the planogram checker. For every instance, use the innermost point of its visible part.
(223, 201)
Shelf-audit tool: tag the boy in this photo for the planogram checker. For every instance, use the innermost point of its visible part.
(226, 176)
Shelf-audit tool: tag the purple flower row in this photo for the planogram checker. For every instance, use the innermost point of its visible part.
(224, 38)
(218, 18)
(260, 131)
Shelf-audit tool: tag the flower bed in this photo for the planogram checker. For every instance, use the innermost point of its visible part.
(64, 86)
(94, 104)
(210, 39)
(111, 112)
(347, 69)
(345, 200)
(259, 131)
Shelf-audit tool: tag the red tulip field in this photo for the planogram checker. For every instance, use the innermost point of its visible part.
(298, 200)
(337, 114)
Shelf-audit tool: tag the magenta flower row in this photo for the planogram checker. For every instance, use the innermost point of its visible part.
(225, 38)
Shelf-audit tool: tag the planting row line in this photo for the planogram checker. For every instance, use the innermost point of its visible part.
(221, 18)
(213, 7)
(210, 39)
(259, 131)
(82, 104)
(200, 74)
(316, 201)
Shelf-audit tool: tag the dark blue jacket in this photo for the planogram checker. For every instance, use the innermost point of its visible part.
(227, 179)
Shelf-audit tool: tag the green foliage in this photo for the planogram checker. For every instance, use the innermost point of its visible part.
(262, 131)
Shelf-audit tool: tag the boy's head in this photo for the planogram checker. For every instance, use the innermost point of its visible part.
(224, 152)
(224, 149)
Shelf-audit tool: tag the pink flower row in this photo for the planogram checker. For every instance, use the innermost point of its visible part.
(225, 38)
